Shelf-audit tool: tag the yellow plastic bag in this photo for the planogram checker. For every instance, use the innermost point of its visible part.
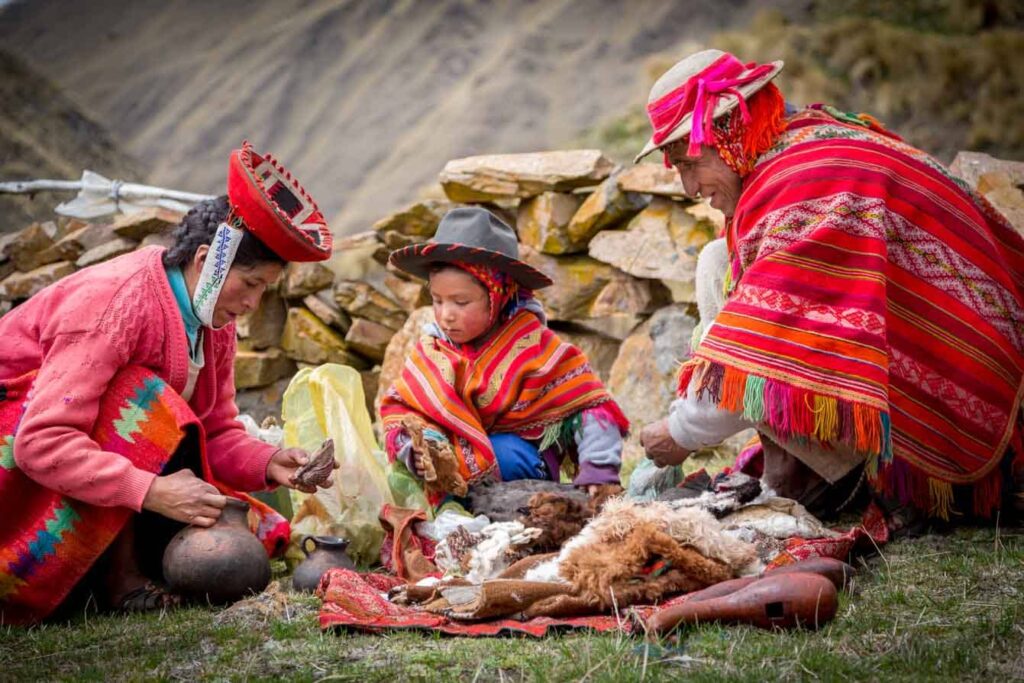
(328, 402)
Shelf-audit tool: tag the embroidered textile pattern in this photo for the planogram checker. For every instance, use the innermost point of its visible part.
(49, 541)
(466, 397)
(877, 304)
(216, 266)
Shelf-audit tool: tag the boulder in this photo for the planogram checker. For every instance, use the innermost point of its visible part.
(707, 214)
(508, 176)
(623, 304)
(419, 220)
(106, 251)
(972, 165)
(411, 294)
(322, 305)
(30, 248)
(399, 348)
(543, 222)
(1005, 196)
(263, 327)
(263, 402)
(303, 279)
(643, 377)
(577, 282)
(158, 239)
(651, 179)
(600, 351)
(369, 338)
(23, 285)
(396, 240)
(661, 242)
(605, 207)
(81, 238)
(136, 226)
(261, 368)
(361, 300)
(309, 340)
(354, 255)
(371, 385)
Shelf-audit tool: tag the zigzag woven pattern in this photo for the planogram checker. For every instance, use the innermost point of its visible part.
(49, 541)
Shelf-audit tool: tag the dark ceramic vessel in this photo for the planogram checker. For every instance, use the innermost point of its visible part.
(328, 553)
(219, 564)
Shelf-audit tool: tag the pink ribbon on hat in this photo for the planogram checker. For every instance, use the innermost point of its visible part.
(700, 94)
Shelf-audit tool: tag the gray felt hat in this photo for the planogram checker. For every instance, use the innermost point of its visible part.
(473, 235)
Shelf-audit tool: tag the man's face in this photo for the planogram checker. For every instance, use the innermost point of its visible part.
(706, 175)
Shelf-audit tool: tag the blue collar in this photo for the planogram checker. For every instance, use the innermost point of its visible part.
(188, 314)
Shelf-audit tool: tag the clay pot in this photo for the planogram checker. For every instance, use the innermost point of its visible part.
(328, 552)
(219, 564)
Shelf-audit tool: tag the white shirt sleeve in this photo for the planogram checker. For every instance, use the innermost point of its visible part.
(695, 423)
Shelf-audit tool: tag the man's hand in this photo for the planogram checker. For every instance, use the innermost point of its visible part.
(282, 466)
(660, 446)
(184, 497)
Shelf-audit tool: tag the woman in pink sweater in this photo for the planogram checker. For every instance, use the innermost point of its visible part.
(78, 485)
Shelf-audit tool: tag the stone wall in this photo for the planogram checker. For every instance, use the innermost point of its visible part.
(620, 245)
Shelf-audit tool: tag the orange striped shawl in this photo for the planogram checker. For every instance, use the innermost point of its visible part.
(522, 380)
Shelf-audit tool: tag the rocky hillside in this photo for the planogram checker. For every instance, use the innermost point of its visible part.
(43, 134)
(364, 100)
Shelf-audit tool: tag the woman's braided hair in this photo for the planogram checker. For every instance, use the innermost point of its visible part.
(198, 227)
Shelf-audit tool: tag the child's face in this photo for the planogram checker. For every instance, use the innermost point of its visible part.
(461, 306)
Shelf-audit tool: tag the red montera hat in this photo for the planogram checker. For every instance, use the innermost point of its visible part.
(275, 208)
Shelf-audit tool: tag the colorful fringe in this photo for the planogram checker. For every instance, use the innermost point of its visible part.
(875, 302)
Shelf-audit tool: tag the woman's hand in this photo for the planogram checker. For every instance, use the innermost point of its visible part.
(282, 466)
(660, 446)
(184, 497)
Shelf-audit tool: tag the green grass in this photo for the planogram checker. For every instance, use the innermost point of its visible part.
(935, 608)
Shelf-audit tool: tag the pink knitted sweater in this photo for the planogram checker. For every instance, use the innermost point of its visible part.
(78, 333)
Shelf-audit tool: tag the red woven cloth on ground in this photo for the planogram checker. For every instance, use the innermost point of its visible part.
(359, 601)
(48, 541)
(878, 302)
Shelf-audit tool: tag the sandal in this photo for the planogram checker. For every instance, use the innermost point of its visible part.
(148, 597)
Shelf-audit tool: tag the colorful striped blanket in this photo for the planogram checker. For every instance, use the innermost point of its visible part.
(523, 380)
(48, 541)
(879, 302)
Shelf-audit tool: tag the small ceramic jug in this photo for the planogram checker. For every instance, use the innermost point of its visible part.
(219, 564)
(327, 552)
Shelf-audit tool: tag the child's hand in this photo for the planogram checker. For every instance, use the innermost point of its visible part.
(417, 463)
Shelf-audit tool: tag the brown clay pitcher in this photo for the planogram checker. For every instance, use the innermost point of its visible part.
(328, 552)
(219, 564)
